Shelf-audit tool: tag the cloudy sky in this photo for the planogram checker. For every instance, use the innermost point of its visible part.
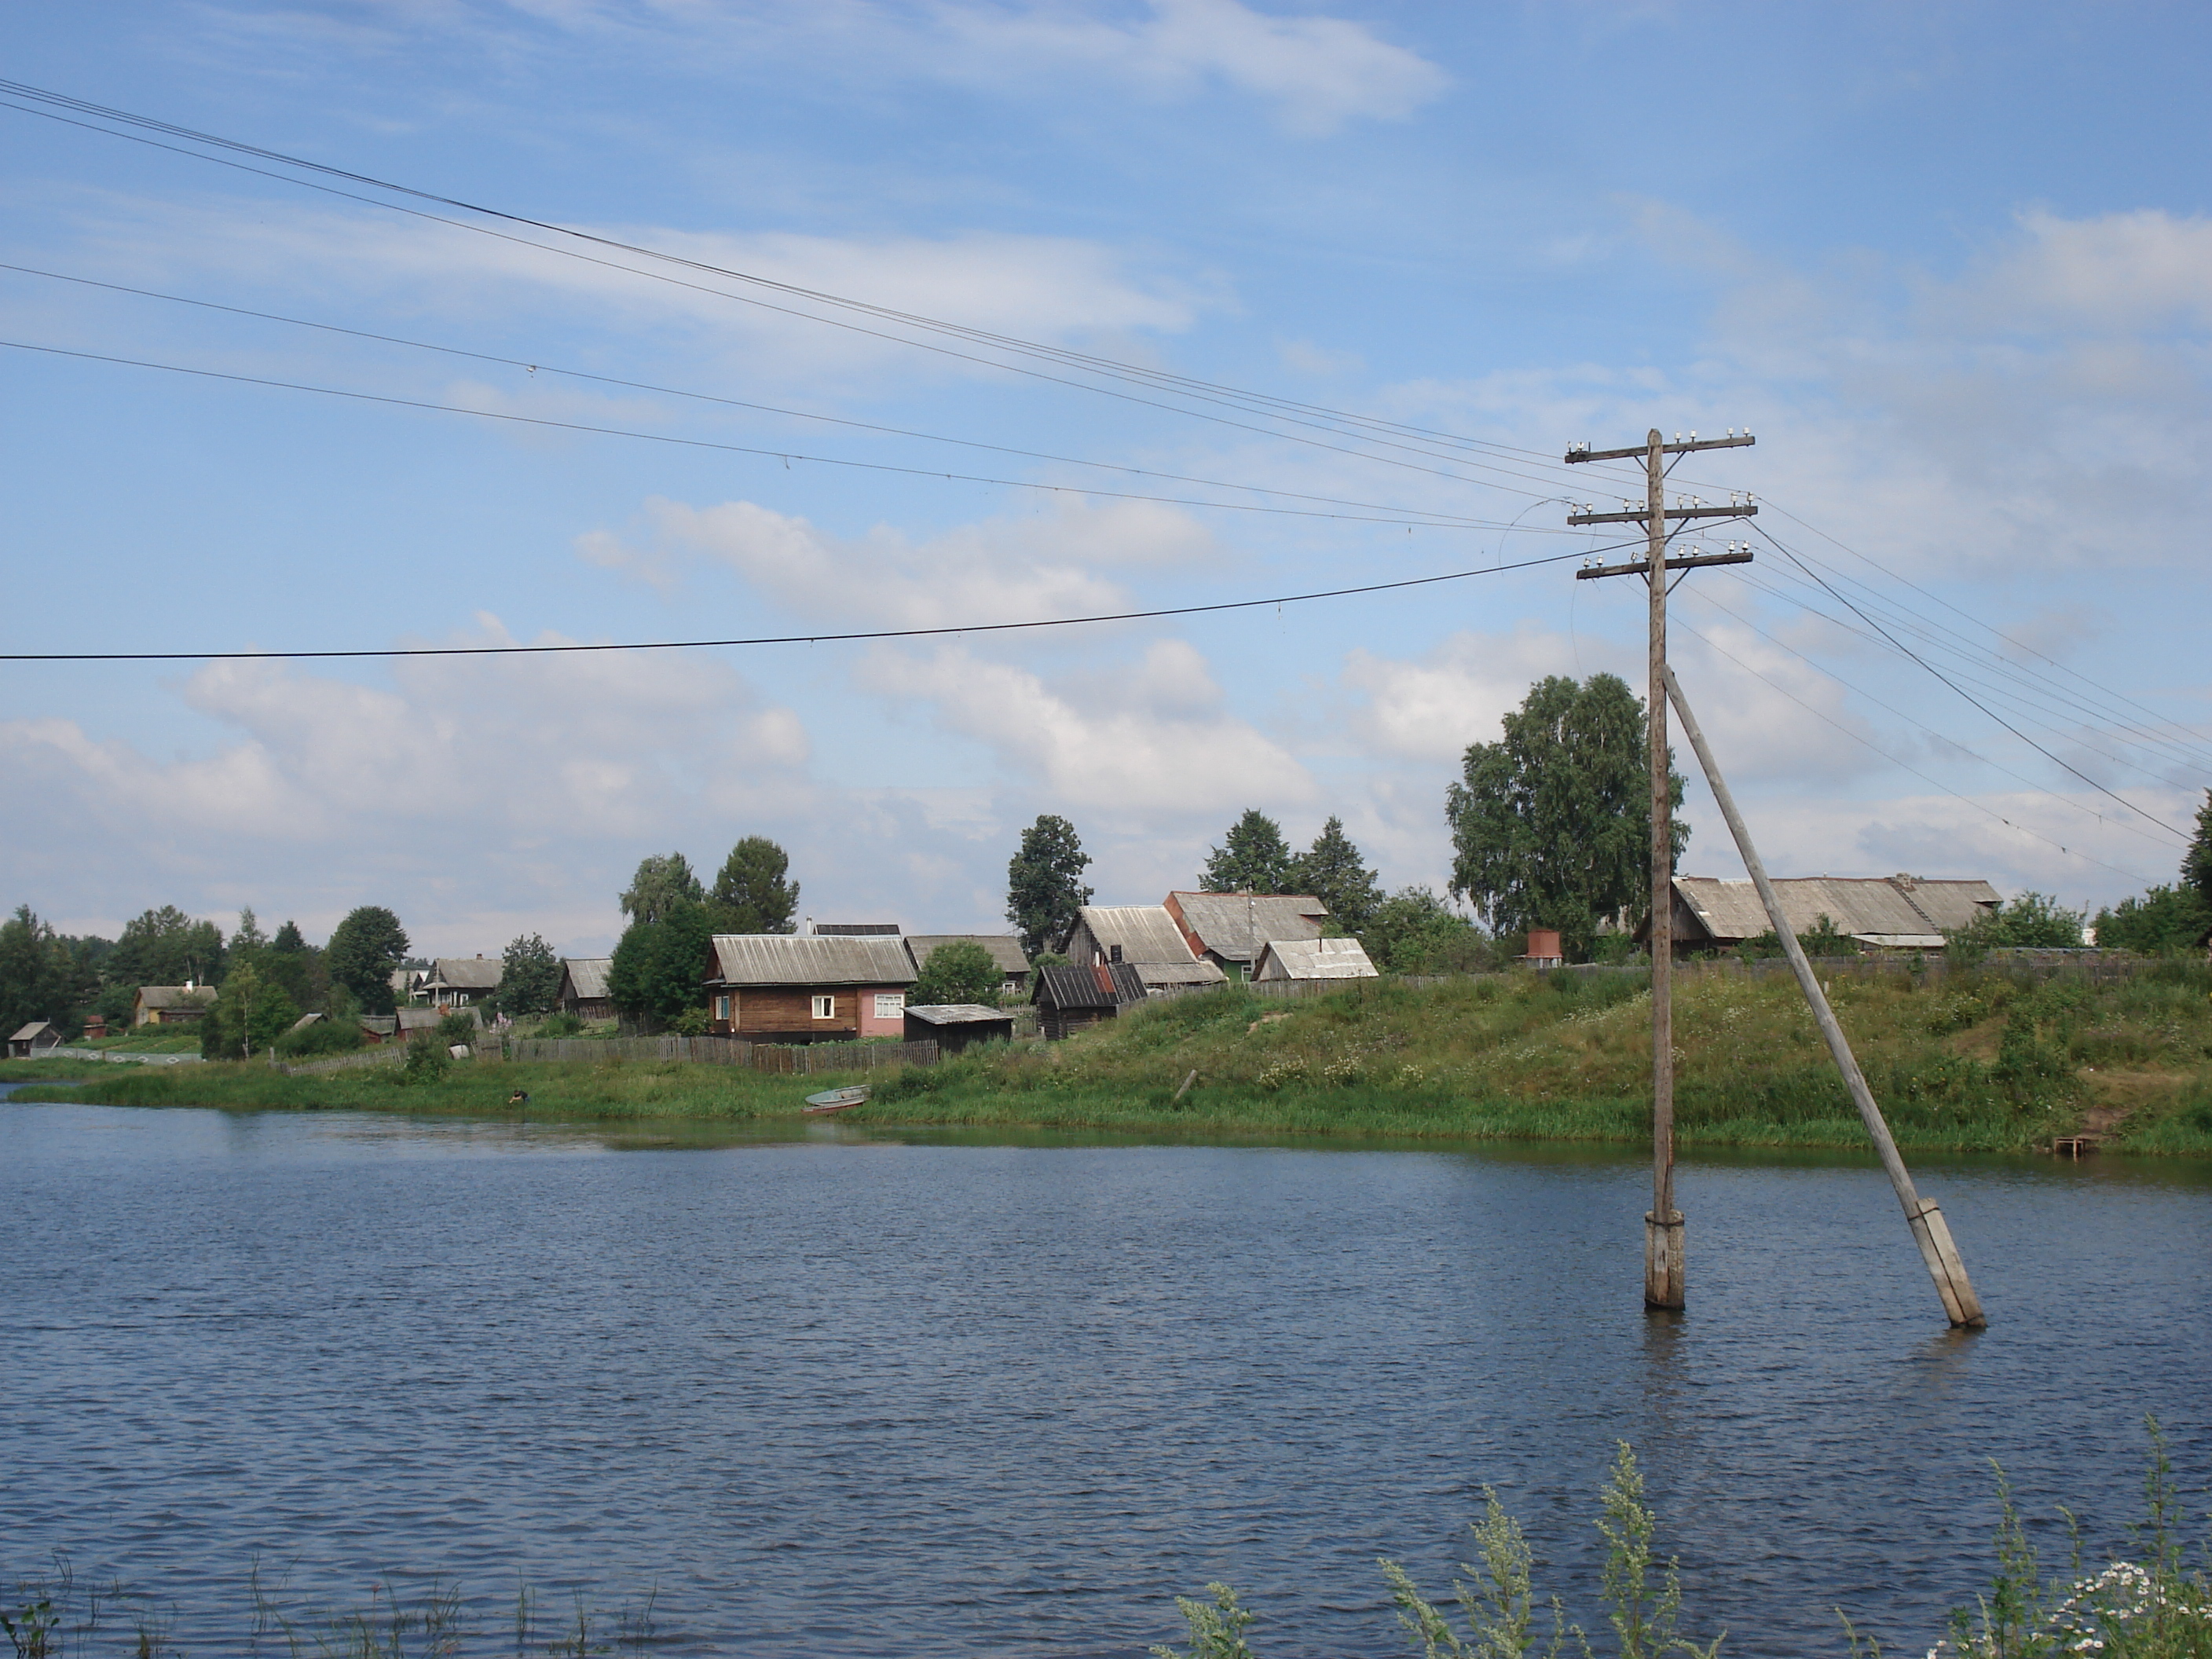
(1950, 262)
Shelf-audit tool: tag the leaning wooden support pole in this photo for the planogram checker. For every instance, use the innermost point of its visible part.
(1928, 1231)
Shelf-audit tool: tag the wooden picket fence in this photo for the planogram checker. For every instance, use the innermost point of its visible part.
(780, 1059)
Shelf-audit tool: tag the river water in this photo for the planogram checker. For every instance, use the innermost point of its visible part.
(861, 1393)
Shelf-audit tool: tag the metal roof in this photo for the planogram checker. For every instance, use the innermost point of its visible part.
(805, 959)
(1159, 975)
(1313, 958)
(587, 975)
(1235, 925)
(1145, 932)
(1879, 908)
(175, 996)
(1104, 985)
(959, 1013)
(856, 929)
(1005, 949)
(32, 1030)
(465, 973)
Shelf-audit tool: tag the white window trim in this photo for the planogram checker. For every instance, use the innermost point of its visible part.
(897, 1000)
(825, 1007)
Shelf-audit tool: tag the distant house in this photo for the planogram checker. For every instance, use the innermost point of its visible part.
(171, 1005)
(407, 983)
(457, 981)
(1006, 951)
(1896, 912)
(1069, 999)
(398, 1027)
(802, 987)
(1230, 929)
(584, 987)
(1312, 959)
(1144, 936)
(34, 1039)
(953, 1026)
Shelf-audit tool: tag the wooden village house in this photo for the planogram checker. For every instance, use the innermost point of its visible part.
(1070, 1000)
(457, 981)
(1005, 949)
(584, 987)
(1307, 960)
(1146, 938)
(1895, 913)
(171, 1005)
(1230, 930)
(800, 988)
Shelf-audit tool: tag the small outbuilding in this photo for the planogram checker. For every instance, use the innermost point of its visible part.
(1069, 999)
(957, 1026)
(584, 987)
(34, 1039)
(1312, 959)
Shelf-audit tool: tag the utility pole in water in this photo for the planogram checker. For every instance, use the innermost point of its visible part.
(1664, 1277)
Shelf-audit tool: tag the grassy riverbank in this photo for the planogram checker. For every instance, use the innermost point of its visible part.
(1979, 1062)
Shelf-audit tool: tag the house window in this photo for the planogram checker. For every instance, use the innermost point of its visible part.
(825, 1007)
(890, 1004)
(722, 1006)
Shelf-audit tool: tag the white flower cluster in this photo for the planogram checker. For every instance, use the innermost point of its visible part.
(2099, 1611)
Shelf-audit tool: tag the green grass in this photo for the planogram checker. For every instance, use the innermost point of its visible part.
(1980, 1062)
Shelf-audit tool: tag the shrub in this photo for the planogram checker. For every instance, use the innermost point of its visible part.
(562, 1025)
(426, 1058)
(325, 1037)
(960, 971)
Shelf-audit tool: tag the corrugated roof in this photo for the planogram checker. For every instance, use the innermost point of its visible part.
(175, 996)
(32, 1030)
(1108, 985)
(466, 973)
(1313, 958)
(587, 975)
(1878, 907)
(1159, 976)
(1005, 949)
(960, 1013)
(803, 959)
(1235, 925)
(1145, 932)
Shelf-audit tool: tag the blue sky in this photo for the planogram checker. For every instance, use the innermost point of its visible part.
(1951, 263)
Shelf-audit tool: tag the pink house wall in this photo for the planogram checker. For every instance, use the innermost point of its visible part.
(891, 1024)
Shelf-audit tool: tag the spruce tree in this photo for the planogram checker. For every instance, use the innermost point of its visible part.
(1044, 883)
(1333, 871)
(1253, 857)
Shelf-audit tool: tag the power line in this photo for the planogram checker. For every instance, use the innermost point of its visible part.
(540, 368)
(780, 639)
(784, 455)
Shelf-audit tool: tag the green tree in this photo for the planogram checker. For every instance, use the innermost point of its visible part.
(2197, 862)
(167, 947)
(1253, 857)
(663, 881)
(659, 965)
(2032, 921)
(1552, 825)
(1333, 871)
(1044, 883)
(289, 961)
(249, 1016)
(960, 971)
(363, 950)
(2163, 920)
(529, 977)
(38, 979)
(1414, 932)
(750, 895)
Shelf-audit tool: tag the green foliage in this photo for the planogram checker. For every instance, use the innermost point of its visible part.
(248, 1017)
(289, 961)
(1044, 883)
(750, 895)
(326, 1037)
(39, 978)
(1552, 825)
(659, 964)
(1216, 1627)
(1414, 932)
(1499, 1604)
(364, 949)
(1048, 959)
(529, 977)
(1333, 871)
(691, 1022)
(2034, 921)
(2163, 919)
(2197, 862)
(562, 1025)
(167, 947)
(1821, 940)
(456, 1027)
(960, 971)
(664, 883)
(1253, 857)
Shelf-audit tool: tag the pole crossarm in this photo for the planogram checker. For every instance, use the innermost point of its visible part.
(1641, 516)
(1643, 566)
(1584, 453)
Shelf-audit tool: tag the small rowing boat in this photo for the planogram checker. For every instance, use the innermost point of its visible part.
(836, 1100)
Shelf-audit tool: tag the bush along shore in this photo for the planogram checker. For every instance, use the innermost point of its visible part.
(1977, 1061)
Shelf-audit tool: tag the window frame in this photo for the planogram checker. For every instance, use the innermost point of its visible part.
(825, 1007)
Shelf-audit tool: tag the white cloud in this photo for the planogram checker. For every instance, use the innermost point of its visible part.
(1147, 743)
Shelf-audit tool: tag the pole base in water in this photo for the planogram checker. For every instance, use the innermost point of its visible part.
(1933, 1235)
(1663, 1264)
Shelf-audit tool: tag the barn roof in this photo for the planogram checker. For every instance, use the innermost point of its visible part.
(1313, 958)
(1236, 926)
(466, 973)
(587, 975)
(1105, 985)
(958, 1013)
(1145, 932)
(805, 959)
(1881, 909)
(31, 1033)
(1004, 948)
(175, 996)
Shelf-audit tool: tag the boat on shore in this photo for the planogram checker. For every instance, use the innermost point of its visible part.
(836, 1100)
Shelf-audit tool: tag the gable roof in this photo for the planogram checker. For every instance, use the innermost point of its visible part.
(1005, 949)
(1145, 932)
(958, 1013)
(466, 974)
(1880, 909)
(1313, 958)
(35, 1030)
(175, 996)
(1235, 925)
(1101, 985)
(803, 959)
(586, 975)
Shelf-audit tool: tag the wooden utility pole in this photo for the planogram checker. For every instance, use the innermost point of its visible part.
(1663, 1269)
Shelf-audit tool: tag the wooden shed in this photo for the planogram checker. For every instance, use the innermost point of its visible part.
(34, 1039)
(957, 1026)
(1145, 937)
(1070, 998)
(584, 987)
